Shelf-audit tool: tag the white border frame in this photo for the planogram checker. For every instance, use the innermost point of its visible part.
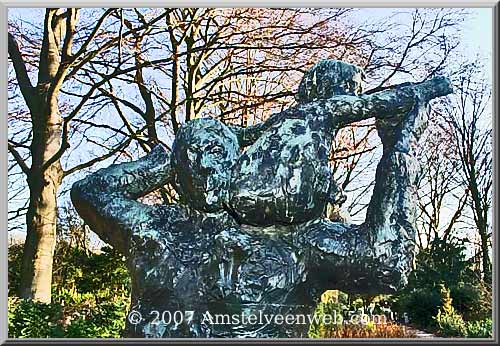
(5, 4)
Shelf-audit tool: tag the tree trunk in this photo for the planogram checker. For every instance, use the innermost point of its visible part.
(41, 217)
(485, 254)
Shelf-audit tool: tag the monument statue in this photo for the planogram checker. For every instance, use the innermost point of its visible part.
(250, 238)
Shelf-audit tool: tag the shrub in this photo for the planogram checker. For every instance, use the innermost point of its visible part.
(421, 305)
(90, 296)
(473, 302)
(466, 300)
(451, 324)
(29, 319)
(443, 261)
(480, 329)
(338, 305)
(103, 321)
(15, 253)
(389, 330)
(382, 304)
(332, 308)
(449, 321)
(96, 293)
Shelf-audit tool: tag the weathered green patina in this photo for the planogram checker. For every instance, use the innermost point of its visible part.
(251, 239)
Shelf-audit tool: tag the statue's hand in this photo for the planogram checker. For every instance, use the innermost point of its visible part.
(444, 84)
(435, 87)
(397, 132)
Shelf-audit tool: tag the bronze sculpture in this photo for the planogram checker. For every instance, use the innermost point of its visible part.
(250, 239)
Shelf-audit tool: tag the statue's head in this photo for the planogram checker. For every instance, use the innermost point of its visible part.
(328, 78)
(204, 151)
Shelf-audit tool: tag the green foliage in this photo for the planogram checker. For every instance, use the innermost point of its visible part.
(475, 305)
(369, 331)
(421, 305)
(106, 320)
(443, 261)
(28, 319)
(449, 321)
(480, 328)
(357, 303)
(331, 308)
(90, 296)
(338, 307)
(382, 303)
(15, 252)
(467, 300)
(103, 274)
(451, 325)
(333, 303)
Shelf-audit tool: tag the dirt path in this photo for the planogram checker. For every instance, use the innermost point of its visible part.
(422, 334)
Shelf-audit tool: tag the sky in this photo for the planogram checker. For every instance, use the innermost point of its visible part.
(477, 31)
(478, 36)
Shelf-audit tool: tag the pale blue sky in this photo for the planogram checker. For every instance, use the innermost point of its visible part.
(478, 36)
(476, 30)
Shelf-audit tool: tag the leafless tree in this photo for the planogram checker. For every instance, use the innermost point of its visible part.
(470, 119)
(441, 195)
(409, 45)
(117, 81)
(57, 58)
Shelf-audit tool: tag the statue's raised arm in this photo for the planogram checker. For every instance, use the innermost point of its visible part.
(377, 255)
(385, 104)
(284, 176)
(107, 199)
(335, 88)
(249, 135)
(214, 252)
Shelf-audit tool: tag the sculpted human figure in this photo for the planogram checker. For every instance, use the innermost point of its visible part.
(250, 238)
